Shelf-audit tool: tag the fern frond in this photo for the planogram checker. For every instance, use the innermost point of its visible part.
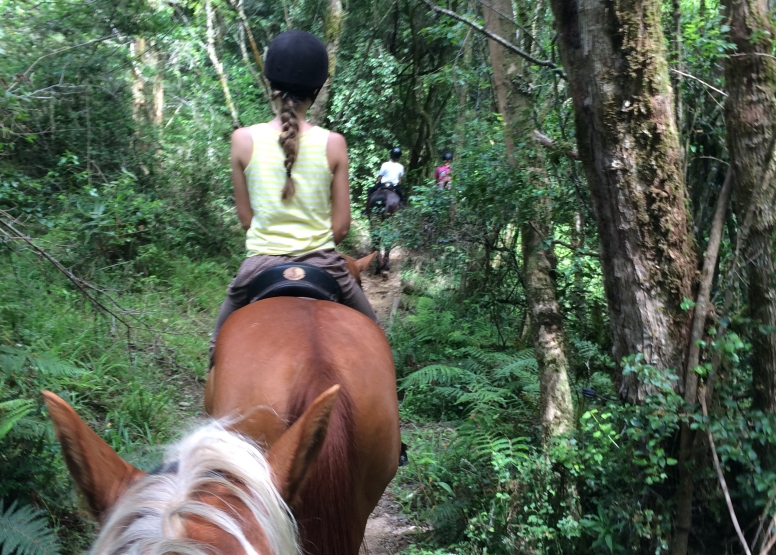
(25, 531)
(54, 367)
(11, 360)
(522, 369)
(11, 412)
(438, 374)
(484, 395)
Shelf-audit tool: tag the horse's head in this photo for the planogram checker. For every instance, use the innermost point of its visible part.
(356, 267)
(218, 493)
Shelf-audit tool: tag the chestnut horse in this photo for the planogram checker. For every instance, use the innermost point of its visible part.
(313, 383)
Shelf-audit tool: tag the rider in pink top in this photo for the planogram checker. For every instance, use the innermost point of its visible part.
(443, 173)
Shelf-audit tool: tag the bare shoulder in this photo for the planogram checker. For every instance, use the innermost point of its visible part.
(241, 136)
(337, 142)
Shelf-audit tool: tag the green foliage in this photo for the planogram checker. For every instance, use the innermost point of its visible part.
(25, 531)
(11, 412)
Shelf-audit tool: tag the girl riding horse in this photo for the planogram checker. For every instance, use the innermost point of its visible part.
(291, 180)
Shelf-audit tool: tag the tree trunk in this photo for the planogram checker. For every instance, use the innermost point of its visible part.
(615, 59)
(219, 67)
(139, 113)
(157, 62)
(333, 23)
(245, 31)
(557, 409)
(750, 118)
(556, 404)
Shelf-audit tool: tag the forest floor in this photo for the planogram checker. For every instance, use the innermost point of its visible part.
(388, 531)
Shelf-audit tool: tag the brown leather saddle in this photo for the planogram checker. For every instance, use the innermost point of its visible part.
(294, 280)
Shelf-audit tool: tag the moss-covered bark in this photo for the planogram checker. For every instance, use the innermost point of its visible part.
(614, 55)
(750, 118)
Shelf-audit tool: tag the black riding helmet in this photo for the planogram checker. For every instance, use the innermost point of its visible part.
(447, 156)
(396, 153)
(297, 62)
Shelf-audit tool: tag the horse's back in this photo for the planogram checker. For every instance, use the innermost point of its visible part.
(280, 354)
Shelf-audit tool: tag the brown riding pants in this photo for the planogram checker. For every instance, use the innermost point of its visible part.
(326, 259)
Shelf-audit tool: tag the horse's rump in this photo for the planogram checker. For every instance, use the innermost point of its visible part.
(282, 353)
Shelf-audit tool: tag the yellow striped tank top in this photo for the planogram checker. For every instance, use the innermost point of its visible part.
(303, 223)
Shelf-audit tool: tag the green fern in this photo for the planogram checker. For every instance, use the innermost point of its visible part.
(11, 412)
(12, 360)
(25, 531)
(438, 374)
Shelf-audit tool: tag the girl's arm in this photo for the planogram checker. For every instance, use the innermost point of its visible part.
(337, 155)
(242, 149)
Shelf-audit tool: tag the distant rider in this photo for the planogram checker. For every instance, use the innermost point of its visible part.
(444, 173)
(391, 175)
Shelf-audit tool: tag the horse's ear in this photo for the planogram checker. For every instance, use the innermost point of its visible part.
(98, 471)
(297, 450)
(363, 263)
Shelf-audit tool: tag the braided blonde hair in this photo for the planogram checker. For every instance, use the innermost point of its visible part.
(289, 137)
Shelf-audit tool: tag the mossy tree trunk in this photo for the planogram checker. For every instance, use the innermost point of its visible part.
(614, 56)
(548, 336)
(333, 23)
(750, 118)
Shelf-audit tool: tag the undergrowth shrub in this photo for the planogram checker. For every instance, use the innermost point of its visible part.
(487, 481)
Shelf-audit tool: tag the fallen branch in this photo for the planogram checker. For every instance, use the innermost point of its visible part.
(502, 41)
(722, 482)
(67, 273)
(82, 285)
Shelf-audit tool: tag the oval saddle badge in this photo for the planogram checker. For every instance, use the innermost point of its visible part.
(294, 273)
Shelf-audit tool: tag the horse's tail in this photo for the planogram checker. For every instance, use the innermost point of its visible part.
(326, 513)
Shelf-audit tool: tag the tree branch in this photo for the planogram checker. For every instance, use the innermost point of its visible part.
(572, 248)
(715, 89)
(704, 291)
(219, 67)
(546, 142)
(722, 482)
(26, 74)
(502, 41)
(238, 7)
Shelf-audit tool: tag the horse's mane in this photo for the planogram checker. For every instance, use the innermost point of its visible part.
(148, 519)
(326, 509)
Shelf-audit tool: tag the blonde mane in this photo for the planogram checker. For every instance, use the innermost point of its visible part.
(147, 520)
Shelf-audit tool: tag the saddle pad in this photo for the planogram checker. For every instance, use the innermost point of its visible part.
(294, 280)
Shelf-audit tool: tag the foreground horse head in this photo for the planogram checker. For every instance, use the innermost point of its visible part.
(218, 493)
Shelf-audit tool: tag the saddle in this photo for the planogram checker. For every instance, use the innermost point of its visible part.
(294, 280)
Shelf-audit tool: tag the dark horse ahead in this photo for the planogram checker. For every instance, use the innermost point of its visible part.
(382, 204)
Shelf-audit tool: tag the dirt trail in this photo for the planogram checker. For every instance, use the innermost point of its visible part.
(384, 291)
(388, 531)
